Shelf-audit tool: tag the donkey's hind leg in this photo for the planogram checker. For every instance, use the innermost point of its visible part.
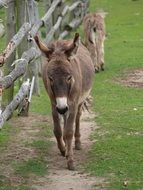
(77, 128)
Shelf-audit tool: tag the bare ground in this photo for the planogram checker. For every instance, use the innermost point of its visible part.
(58, 177)
(133, 78)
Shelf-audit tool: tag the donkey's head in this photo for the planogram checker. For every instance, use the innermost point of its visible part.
(59, 72)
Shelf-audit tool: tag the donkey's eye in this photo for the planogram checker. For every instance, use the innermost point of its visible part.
(69, 78)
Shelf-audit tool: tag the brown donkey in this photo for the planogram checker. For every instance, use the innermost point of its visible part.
(94, 29)
(68, 76)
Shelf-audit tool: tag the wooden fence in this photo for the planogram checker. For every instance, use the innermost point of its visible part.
(60, 19)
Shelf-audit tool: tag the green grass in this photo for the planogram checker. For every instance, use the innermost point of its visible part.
(4, 183)
(4, 135)
(7, 186)
(41, 104)
(41, 145)
(117, 154)
(45, 130)
(32, 166)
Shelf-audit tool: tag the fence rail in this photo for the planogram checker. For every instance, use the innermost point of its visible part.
(23, 92)
(14, 42)
(20, 67)
(4, 3)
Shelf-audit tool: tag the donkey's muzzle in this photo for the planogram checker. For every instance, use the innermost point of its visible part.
(62, 110)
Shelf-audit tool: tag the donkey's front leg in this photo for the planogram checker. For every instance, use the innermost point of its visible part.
(77, 128)
(102, 55)
(58, 131)
(68, 136)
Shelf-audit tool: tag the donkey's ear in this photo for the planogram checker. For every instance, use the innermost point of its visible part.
(72, 49)
(42, 47)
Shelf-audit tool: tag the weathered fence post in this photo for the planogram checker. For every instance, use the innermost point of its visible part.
(86, 5)
(6, 114)
(27, 12)
(49, 23)
(78, 12)
(33, 69)
(21, 19)
(56, 14)
(2, 30)
(11, 30)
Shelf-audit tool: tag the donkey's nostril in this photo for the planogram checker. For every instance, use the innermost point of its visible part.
(62, 110)
(94, 29)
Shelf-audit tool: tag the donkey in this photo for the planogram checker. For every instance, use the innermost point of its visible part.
(68, 76)
(94, 28)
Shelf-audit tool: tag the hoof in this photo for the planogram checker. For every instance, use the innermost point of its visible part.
(78, 146)
(96, 71)
(63, 153)
(102, 69)
(71, 165)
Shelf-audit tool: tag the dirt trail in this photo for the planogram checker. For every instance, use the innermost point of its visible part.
(132, 78)
(59, 177)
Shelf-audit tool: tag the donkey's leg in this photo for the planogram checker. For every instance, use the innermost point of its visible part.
(65, 123)
(93, 52)
(77, 128)
(96, 65)
(102, 56)
(58, 131)
(98, 50)
(68, 135)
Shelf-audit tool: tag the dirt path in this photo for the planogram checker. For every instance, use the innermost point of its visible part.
(132, 78)
(33, 128)
(59, 177)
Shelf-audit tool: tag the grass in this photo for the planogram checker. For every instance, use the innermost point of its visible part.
(5, 185)
(4, 135)
(32, 166)
(45, 130)
(117, 154)
(41, 104)
(41, 145)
